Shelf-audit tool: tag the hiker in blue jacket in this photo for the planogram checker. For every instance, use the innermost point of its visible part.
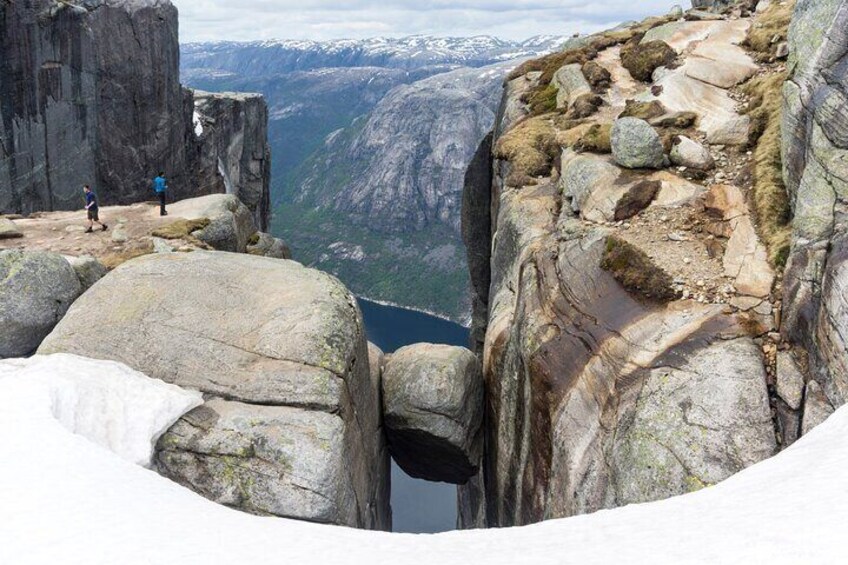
(160, 185)
(92, 209)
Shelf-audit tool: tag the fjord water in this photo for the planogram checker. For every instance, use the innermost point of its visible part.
(417, 506)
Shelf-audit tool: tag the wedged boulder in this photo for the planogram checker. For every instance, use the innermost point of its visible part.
(258, 332)
(636, 145)
(36, 290)
(267, 245)
(230, 222)
(88, 269)
(688, 153)
(433, 410)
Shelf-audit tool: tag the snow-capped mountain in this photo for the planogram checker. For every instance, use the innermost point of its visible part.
(282, 56)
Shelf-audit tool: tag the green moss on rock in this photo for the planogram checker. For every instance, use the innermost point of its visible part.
(635, 271)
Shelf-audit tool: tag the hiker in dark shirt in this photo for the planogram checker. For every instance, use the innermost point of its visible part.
(92, 209)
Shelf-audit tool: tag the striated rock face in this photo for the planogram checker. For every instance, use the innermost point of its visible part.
(90, 94)
(292, 423)
(235, 157)
(815, 160)
(618, 367)
(433, 409)
(36, 289)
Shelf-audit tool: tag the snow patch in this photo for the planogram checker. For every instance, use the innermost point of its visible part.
(67, 499)
(198, 124)
(103, 401)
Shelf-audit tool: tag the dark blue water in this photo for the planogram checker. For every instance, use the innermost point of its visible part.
(417, 506)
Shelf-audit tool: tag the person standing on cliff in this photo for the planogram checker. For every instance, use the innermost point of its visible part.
(160, 185)
(92, 209)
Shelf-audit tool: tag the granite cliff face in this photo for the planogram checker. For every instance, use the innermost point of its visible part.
(91, 95)
(637, 338)
(815, 160)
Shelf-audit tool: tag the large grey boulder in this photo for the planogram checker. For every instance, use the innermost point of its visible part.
(36, 289)
(231, 223)
(262, 334)
(433, 410)
(688, 153)
(636, 145)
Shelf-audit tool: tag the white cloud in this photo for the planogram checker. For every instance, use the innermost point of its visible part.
(204, 20)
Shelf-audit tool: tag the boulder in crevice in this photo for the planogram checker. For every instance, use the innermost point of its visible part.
(433, 411)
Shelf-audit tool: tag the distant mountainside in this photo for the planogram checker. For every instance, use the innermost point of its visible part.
(370, 143)
(261, 58)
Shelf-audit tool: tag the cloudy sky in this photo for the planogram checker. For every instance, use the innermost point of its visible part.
(204, 20)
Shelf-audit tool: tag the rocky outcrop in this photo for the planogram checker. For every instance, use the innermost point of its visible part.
(88, 269)
(815, 161)
(292, 423)
(620, 365)
(433, 411)
(90, 94)
(235, 157)
(230, 224)
(636, 145)
(36, 289)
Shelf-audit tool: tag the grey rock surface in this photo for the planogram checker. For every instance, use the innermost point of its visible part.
(688, 153)
(88, 269)
(267, 245)
(570, 83)
(817, 407)
(231, 223)
(90, 94)
(732, 132)
(258, 332)
(235, 157)
(694, 425)
(790, 380)
(636, 145)
(36, 289)
(8, 229)
(433, 411)
(273, 460)
(815, 166)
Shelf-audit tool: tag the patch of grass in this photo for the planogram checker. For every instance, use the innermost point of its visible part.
(679, 120)
(635, 271)
(542, 98)
(584, 106)
(596, 139)
(642, 59)
(598, 77)
(530, 147)
(770, 199)
(180, 229)
(643, 110)
(771, 24)
(137, 249)
(637, 199)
